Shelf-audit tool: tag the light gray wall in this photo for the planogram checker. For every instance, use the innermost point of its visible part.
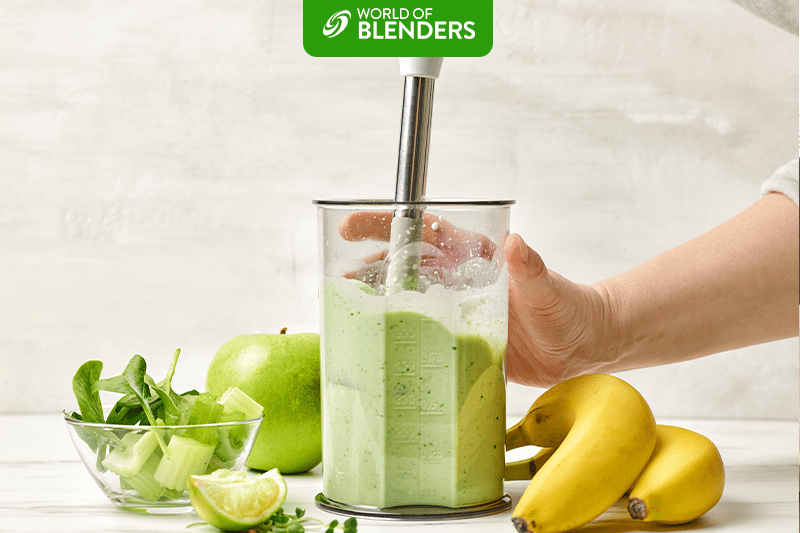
(158, 161)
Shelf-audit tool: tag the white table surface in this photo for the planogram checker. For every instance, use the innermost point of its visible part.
(45, 488)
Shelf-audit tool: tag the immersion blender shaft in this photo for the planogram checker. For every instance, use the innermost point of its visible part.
(412, 167)
(415, 135)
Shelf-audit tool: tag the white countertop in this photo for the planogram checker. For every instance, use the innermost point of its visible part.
(45, 488)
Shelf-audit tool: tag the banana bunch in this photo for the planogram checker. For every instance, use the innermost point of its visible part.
(600, 441)
(604, 434)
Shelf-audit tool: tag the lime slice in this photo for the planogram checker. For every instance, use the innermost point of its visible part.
(233, 501)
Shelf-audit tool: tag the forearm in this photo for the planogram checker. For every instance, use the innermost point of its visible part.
(735, 286)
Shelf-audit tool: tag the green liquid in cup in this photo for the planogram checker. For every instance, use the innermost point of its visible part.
(413, 413)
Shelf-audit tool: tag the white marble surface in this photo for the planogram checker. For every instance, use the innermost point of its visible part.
(45, 488)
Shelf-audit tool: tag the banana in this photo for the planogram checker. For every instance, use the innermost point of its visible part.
(604, 433)
(525, 469)
(682, 481)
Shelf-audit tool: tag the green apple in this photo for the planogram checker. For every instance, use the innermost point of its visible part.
(282, 373)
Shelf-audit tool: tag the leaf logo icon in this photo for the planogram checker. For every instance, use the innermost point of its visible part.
(336, 24)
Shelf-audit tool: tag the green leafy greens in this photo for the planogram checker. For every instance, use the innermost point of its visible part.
(297, 523)
(152, 461)
(143, 402)
(83, 385)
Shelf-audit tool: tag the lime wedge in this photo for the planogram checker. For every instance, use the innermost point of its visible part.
(233, 501)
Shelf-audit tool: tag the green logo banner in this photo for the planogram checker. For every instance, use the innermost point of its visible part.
(428, 28)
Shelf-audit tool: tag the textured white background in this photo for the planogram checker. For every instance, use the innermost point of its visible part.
(158, 161)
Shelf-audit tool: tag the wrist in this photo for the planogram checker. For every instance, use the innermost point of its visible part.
(612, 335)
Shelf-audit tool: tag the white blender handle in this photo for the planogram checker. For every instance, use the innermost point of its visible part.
(421, 67)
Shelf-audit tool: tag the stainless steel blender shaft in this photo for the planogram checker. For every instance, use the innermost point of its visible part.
(405, 242)
(415, 135)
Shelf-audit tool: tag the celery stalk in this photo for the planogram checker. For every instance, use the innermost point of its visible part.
(126, 461)
(216, 463)
(170, 494)
(231, 438)
(237, 400)
(184, 457)
(206, 410)
(144, 483)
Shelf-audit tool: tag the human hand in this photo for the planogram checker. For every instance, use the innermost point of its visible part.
(556, 328)
(444, 245)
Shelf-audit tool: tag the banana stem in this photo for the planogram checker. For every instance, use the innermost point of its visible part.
(637, 509)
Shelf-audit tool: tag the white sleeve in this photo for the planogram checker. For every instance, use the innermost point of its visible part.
(785, 181)
(783, 13)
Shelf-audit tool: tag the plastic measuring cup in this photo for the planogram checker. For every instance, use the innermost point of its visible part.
(413, 382)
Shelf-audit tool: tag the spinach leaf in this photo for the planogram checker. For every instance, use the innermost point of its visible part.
(116, 384)
(136, 407)
(88, 398)
(97, 438)
(142, 398)
(134, 374)
(171, 414)
(166, 383)
(138, 403)
(128, 409)
(166, 395)
(174, 406)
(127, 416)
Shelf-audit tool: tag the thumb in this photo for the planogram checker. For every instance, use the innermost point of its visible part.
(527, 269)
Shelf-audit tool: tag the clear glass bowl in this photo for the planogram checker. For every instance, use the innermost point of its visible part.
(137, 489)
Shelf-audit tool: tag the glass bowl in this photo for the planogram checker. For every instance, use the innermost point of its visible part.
(145, 468)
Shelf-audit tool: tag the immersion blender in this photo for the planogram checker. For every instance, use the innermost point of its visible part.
(405, 244)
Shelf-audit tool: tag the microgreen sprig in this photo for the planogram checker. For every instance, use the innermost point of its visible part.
(280, 522)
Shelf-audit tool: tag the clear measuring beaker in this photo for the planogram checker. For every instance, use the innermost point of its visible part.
(413, 381)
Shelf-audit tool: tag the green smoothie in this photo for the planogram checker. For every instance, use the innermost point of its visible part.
(413, 409)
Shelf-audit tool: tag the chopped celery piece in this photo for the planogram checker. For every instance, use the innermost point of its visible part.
(229, 415)
(206, 410)
(184, 457)
(128, 460)
(170, 494)
(237, 400)
(144, 483)
(191, 398)
(216, 463)
(231, 438)
(102, 450)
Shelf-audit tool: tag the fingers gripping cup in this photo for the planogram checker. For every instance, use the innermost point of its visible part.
(413, 389)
